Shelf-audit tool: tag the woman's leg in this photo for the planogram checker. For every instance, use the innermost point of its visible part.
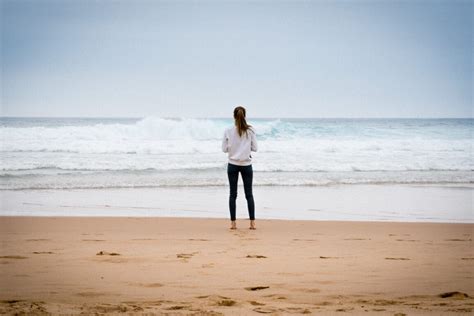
(233, 175)
(247, 176)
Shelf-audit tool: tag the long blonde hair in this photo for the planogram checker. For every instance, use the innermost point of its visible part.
(240, 122)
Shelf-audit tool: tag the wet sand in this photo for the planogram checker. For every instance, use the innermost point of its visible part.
(198, 266)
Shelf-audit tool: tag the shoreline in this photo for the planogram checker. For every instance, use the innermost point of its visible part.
(400, 203)
(228, 219)
(198, 265)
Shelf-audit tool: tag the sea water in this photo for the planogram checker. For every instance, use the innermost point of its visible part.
(86, 153)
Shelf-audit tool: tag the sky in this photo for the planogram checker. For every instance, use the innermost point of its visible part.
(202, 58)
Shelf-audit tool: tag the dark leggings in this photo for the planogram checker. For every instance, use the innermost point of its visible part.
(247, 176)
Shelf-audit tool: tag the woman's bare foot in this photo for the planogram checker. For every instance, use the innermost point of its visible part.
(252, 224)
(233, 225)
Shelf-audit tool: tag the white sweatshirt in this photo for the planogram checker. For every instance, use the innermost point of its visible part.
(239, 148)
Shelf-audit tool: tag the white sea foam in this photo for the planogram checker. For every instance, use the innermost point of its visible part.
(64, 153)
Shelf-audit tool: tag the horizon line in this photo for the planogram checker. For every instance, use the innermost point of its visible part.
(229, 117)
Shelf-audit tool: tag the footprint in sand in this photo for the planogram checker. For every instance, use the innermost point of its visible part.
(226, 302)
(152, 285)
(178, 307)
(277, 296)
(149, 302)
(455, 294)
(11, 301)
(186, 256)
(13, 257)
(144, 239)
(106, 308)
(256, 288)
(356, 238)
(324, 257)
(323, 303)
(213, 297)
(383, 302)
(309, 290)
(255, 256)
(105, 253)
(457, 239)
(298, 310)
(265, 310)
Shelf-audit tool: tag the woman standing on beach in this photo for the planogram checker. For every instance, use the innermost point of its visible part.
(239, 140)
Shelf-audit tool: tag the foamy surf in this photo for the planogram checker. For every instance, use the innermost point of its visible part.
(159, 152)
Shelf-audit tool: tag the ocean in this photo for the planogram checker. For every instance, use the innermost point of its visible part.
(150, 152)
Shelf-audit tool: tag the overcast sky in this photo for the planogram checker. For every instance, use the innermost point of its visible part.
(202, 58)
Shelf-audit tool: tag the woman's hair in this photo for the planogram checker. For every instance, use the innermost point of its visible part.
(240, 122)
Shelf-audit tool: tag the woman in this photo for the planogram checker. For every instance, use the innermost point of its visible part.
(239, 140)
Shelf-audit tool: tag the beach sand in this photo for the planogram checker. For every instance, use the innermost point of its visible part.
(198, 266)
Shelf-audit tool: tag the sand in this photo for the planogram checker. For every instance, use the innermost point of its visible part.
(198, 266)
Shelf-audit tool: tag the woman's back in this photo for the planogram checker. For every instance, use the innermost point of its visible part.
(238, 147)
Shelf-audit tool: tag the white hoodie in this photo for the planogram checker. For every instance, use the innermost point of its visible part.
(239, 148)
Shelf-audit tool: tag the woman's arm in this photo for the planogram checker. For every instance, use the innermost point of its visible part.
(253, 144)
(225, 143)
